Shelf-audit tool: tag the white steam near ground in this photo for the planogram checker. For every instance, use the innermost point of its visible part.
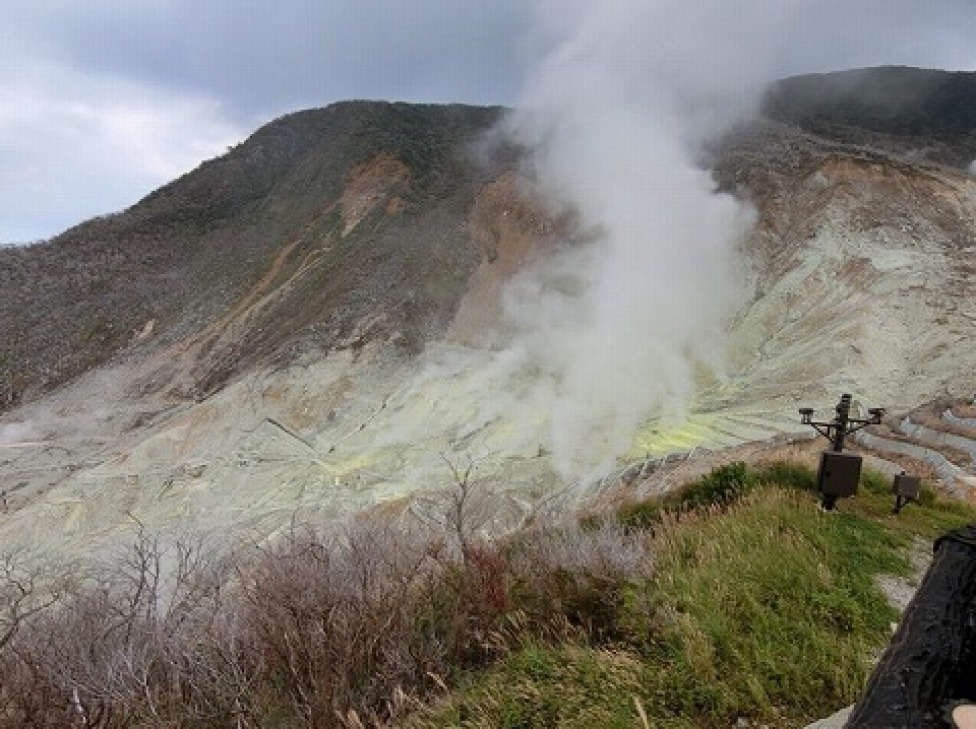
(16, 432)
(614, 331)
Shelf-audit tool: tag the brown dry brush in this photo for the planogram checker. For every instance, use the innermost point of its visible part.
(122, 645)
(349, 631)
(333, 624)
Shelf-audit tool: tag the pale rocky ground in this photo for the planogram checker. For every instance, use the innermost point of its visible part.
(862, 281)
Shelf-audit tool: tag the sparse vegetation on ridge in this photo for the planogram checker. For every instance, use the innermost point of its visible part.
(734, 599)
(185, 254)
(927, 112)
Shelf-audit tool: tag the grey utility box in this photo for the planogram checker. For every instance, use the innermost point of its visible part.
(839, 473)
(907, 487)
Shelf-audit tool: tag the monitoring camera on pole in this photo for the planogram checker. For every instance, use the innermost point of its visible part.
(839, 472)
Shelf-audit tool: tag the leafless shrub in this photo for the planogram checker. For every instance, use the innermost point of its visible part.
(459, 513)
(26, 591)
(122, 644)
(336, 619)
(351, 630)
(605, 549)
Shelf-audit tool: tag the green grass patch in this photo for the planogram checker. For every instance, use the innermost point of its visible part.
(539, 686)
(770, 609)
(720, 487)
(932, 515)
(760, 607)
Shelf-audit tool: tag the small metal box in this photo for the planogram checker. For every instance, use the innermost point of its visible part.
(839, 473)
(907, 487)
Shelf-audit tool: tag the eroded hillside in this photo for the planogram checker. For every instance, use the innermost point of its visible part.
(305, 327)
(335, 214)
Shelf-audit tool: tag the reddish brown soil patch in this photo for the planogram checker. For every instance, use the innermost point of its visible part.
(369, 186)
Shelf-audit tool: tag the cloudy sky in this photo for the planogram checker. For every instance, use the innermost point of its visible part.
(103, 101)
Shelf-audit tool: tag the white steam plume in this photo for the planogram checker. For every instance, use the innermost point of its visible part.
(615, 116)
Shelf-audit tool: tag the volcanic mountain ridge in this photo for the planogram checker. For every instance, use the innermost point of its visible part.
(290, 329)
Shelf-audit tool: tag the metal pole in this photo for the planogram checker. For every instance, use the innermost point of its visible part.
(841, 421)
(836, 431)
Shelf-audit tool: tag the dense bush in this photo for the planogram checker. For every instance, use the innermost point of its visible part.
(719, 487)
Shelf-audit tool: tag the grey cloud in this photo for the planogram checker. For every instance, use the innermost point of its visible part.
(831, 35)
(229, 65)
(266, 58)
(201, 75)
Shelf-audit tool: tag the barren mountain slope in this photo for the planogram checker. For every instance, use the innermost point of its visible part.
(334, 213)
(863, 272)
(347, 369)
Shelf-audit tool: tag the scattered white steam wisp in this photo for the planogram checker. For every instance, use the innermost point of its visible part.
(16, 432)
